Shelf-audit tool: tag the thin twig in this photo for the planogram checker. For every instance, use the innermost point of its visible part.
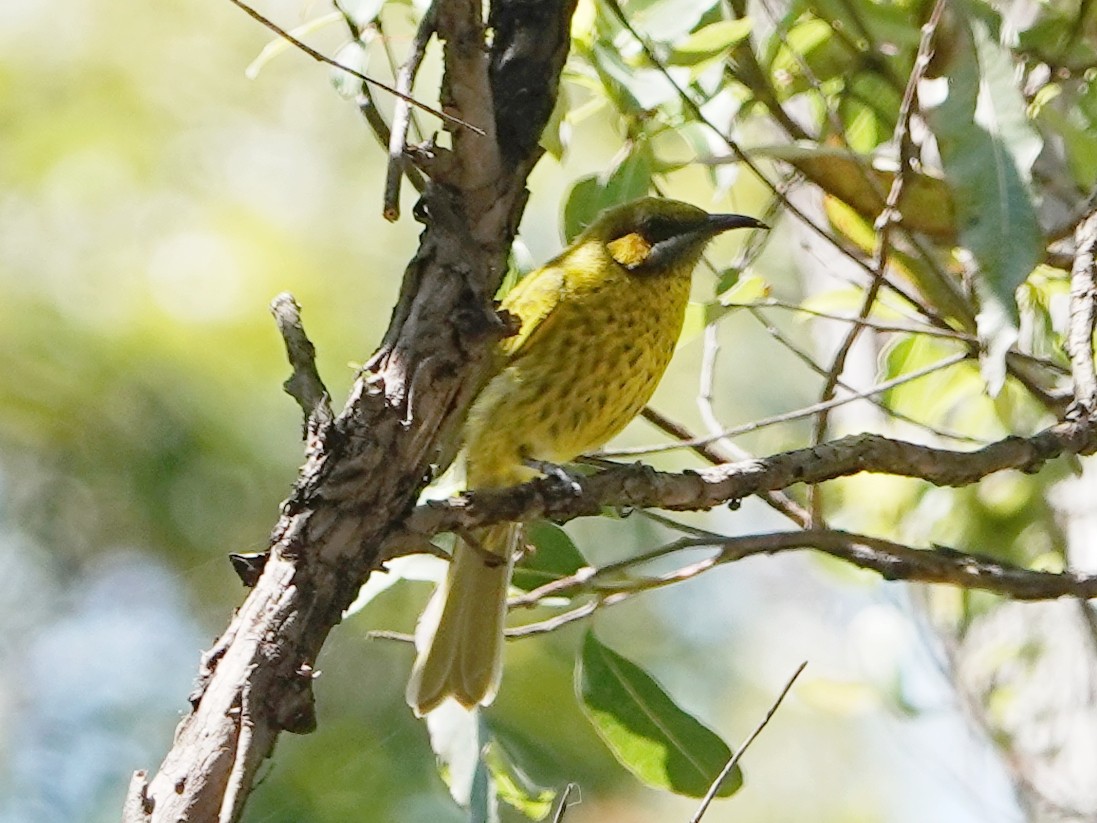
(565, 796)
(808, 361)
(401, 115)
(889, 559)
(554, 623)
(323, 58)
(777, 500)
(798, 414)
(875, 325)
(735, 758)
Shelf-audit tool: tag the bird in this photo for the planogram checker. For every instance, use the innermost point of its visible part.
(598, 326)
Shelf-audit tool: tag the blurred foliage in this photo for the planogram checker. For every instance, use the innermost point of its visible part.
(153, 200)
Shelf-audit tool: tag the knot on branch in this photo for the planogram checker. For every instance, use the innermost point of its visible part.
(295, 711)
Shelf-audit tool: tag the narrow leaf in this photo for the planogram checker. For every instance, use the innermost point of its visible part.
(650, 735)
(926, 204)
(709, 42)
(988, 148)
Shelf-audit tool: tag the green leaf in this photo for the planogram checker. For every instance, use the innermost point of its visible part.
(629, 179)
(583, 203)
(940, 289)
(554, 556)
(362, 12)
(808, 47)
(634, 89)
(988, 147)
(666, 20)
(710, 42)
(557, 132)
(697, 317)
(647, 732)
(514, 787)
(744, 290)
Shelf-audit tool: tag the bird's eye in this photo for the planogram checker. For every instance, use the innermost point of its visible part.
(657, 229)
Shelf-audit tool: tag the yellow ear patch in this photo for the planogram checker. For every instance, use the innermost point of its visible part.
(630, 251)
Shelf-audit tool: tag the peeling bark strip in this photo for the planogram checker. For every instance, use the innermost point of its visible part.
(366, 467)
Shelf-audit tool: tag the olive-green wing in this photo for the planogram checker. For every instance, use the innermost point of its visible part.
(532, 301)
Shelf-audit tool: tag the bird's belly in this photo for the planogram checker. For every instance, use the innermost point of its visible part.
(584, 403)
(571, 392)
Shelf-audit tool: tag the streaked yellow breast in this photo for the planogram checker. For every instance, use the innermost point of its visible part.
(598, 341)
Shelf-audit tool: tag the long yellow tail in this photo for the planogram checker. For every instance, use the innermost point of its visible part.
(460, 636)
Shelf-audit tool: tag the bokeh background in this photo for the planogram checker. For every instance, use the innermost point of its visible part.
(153, 199)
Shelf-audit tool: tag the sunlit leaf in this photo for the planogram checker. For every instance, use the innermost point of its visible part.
(423, 567)
(514, 787)
(666, 20)
(697, 317)
(362, 12)
(557, 132)
(940, 290)
(280, 45)
(809, 45)
(710, 42)
(654, 738)
(746, 290)
(633, 89)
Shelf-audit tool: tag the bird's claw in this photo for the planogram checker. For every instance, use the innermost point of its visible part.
(557, 473)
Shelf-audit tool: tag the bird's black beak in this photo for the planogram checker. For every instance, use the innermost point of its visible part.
(718, 223)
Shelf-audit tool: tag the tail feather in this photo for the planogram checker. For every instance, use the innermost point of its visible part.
(460, 636)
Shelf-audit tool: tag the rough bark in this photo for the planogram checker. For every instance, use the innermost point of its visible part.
(366, 466)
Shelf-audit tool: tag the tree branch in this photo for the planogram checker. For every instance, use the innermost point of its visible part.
(891, 560)
(639, 486)
(367, 465)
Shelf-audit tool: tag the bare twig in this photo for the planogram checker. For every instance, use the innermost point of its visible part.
(735, 758)
(565, 796)
(867, 322)
(367, 106)
(889, 559)
(323, 58)
(401, 115)
(554, 623)
(798, 414)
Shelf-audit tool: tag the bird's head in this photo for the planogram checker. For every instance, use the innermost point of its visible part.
(655, 236)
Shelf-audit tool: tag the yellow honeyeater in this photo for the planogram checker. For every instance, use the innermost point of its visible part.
(598, 327)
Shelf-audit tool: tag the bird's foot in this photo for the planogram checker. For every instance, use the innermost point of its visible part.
(557, 473)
